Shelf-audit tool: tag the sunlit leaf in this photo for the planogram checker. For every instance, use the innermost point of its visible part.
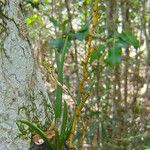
(40, 20)
(34, 18)
(46, 1)
(29, 21)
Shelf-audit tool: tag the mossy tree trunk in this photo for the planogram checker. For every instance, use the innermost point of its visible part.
(21, 85)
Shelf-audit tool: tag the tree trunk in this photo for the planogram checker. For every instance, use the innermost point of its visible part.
(21, 87)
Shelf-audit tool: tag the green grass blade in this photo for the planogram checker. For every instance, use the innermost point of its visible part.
(67, 133)
(64, 122)
(58, 102)
(64, 51)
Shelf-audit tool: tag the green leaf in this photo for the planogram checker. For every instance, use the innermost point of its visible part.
(54, 21)
(132, 39)
(60, 62)
(114, 55)
(128, 38)
(58, 43)
(97, 53)
(64, 122)
(69, 126)
(34, 3)
(122, 44)
(58, 102)
(81, 34)
(38, 131)
(46, 1)
(146, 148)
(40, 20)
(30, 20)
(62, 26)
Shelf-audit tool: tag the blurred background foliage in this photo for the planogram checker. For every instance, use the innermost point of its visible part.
(117, 113)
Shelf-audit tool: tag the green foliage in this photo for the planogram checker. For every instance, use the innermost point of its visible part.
(114, 55)
(97, 53)
(60, 64)
(64, 122)
(59, 43)
(33, 3)
(118, 126)
(146, 148)
(62, 26)
(69, 126)
(80, 34)
(122, 40)
(30, 20)
(127, 38)
(60, 137)
(38, 131)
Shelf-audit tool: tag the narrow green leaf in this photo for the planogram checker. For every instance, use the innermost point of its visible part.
(40, 20)
(64, 51)
(69, 126)
(64, 122)
(38, 131)
(58, 101)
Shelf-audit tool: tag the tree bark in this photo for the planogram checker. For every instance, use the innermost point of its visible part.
(21, 85)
